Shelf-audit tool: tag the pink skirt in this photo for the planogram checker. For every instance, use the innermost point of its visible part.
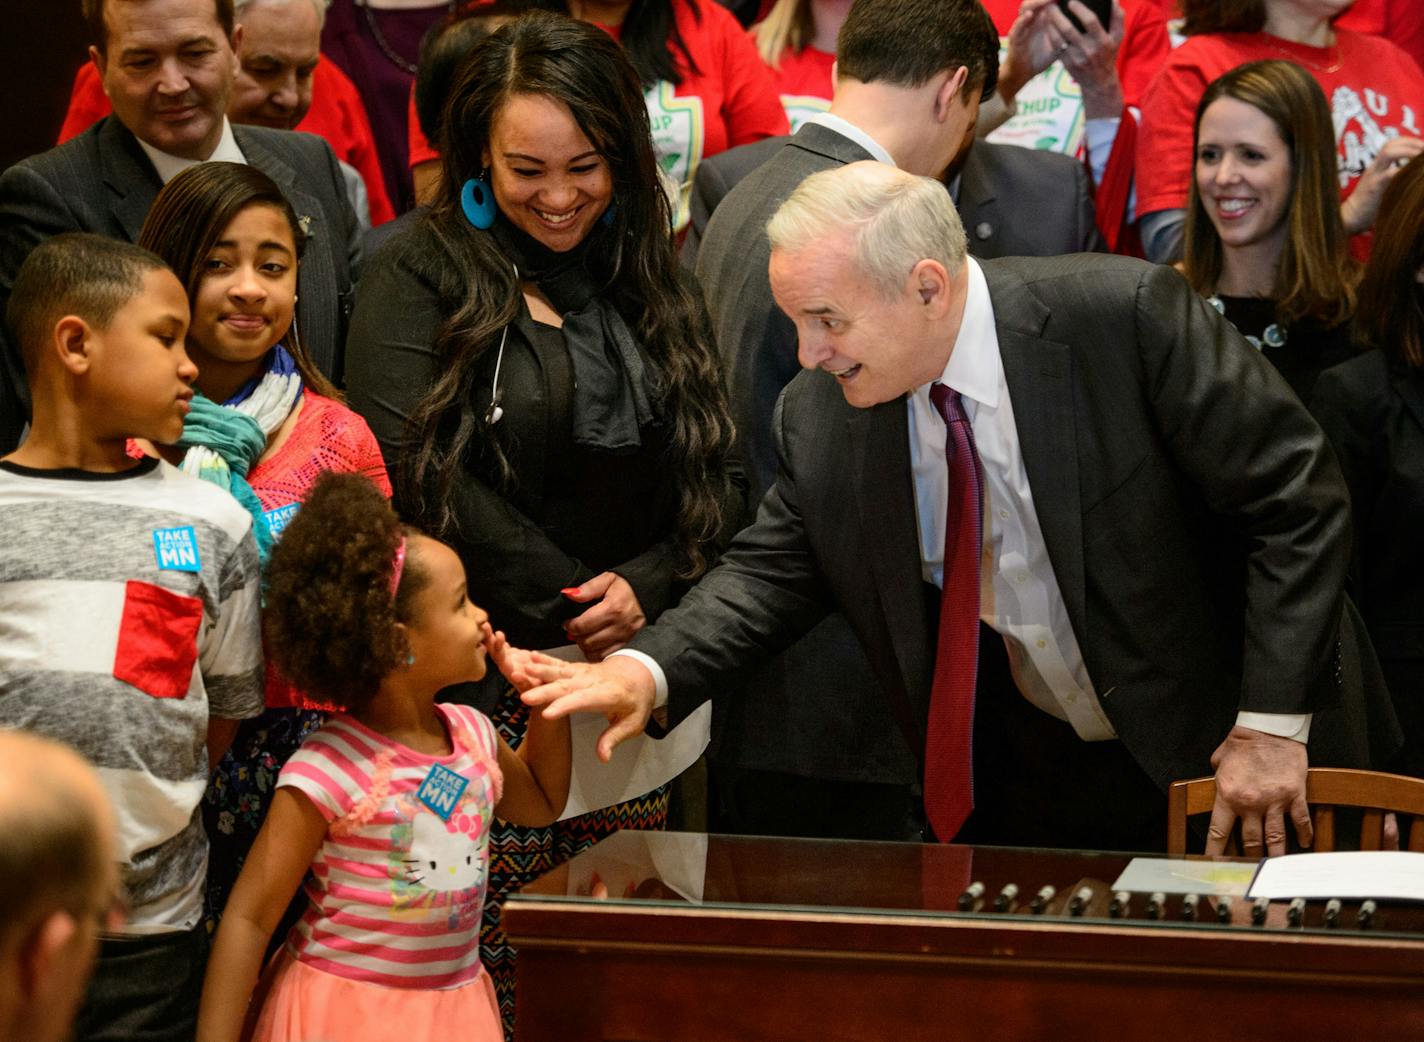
(299, 1003)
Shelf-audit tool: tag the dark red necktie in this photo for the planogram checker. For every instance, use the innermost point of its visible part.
(949, 763)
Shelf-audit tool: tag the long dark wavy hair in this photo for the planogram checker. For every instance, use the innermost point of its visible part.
(1391, 315)
(188, 217)
(582, 67)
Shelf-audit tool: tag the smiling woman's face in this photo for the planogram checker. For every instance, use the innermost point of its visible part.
(1243, 172)
(547, 177)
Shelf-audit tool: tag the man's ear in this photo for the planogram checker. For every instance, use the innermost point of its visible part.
(949, 89)
(931, 283)
(101, 62)
(73, 340)
(40, 952)
(236, 44)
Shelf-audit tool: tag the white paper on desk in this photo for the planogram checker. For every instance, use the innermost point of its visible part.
(1148, 875)
(678, 861)
(639, 765)
(1388, 874)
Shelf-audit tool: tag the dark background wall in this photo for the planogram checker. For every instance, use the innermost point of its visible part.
(42, 42)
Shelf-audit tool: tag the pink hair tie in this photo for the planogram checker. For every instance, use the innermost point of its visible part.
(399, 568)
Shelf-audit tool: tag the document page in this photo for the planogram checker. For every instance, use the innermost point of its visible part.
(1388, 874)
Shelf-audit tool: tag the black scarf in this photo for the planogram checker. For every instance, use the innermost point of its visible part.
(611, 401)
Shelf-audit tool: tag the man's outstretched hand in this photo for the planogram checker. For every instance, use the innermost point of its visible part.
(620, 687)
(1260, 779)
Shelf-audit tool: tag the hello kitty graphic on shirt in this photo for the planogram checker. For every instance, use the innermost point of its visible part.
(446, 856)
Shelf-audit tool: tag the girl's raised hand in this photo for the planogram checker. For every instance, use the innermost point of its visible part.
(514, 662)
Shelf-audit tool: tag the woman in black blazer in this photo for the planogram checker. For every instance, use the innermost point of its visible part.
(542, 377)
(1372, 409)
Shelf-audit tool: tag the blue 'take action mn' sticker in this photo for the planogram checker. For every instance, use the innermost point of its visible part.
(441, 790)
(279, 517)
(176, 549)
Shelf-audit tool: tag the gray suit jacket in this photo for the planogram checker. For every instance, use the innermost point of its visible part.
(1014, 201)
(816, 710)
(1197, 525)
(103, 182)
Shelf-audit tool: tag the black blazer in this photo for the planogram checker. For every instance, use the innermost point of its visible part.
(523, 543)
(1197, 526)
(103, 182)
(1372, 410)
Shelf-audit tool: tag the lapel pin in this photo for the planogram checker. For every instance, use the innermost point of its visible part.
(983, 230)
(304, 222)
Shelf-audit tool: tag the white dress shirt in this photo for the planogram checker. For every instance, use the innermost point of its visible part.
(1019, 594)
(170, 166)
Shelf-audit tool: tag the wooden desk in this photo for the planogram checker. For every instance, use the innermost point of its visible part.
(729, 939)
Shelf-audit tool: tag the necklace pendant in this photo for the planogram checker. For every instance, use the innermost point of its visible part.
(1274, 336)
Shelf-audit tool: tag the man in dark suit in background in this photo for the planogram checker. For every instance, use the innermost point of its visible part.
(168, 68)
(1157, 583)
(1014, 201)
(811, 750)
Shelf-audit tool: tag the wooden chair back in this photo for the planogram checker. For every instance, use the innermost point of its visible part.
(1325, 789)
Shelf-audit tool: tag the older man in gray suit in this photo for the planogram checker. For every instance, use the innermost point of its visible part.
(168, 68)
(812, 750)
(1132, 536)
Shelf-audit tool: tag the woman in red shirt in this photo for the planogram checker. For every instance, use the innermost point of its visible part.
(1375, 90)
(797, 40)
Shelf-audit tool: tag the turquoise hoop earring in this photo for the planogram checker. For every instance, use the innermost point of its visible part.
(609, 214)
(477, 201)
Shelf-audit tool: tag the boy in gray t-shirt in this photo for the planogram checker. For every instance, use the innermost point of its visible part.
(129, 597)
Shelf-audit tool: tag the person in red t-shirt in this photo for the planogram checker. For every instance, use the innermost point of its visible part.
(1376, 94)
(705, 86)
(1401, 22)
(797, 40)
(281, 83)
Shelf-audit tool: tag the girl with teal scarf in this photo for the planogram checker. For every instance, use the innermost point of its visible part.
(264, 423)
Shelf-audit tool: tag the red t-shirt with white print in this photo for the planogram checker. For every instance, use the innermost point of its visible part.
(1050, 106)
(1401, 22)
(1375, 91)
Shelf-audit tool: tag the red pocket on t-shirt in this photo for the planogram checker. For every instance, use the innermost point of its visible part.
(158, 640)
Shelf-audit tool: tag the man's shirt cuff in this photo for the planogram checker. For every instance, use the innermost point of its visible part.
(659, 677)
(1294, 726)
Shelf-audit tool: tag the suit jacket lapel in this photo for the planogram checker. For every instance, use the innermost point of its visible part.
(823, 141)
(978, 205)
(129, 176)
(1039, 373)
(885, 501)
(316, 275)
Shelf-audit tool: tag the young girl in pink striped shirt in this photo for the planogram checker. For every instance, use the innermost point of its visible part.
(388, 804)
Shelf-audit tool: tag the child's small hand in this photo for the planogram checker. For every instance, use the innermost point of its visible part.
(513, 662)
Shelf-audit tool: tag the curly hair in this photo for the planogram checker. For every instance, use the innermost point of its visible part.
(582, 67)
(330, 617)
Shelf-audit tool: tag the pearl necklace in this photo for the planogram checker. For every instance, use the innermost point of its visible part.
(1272, 336)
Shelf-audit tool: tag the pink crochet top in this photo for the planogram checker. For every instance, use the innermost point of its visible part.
(327, 436)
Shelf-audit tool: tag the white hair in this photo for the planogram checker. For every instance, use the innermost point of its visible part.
(238, 6)
(897, 219)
